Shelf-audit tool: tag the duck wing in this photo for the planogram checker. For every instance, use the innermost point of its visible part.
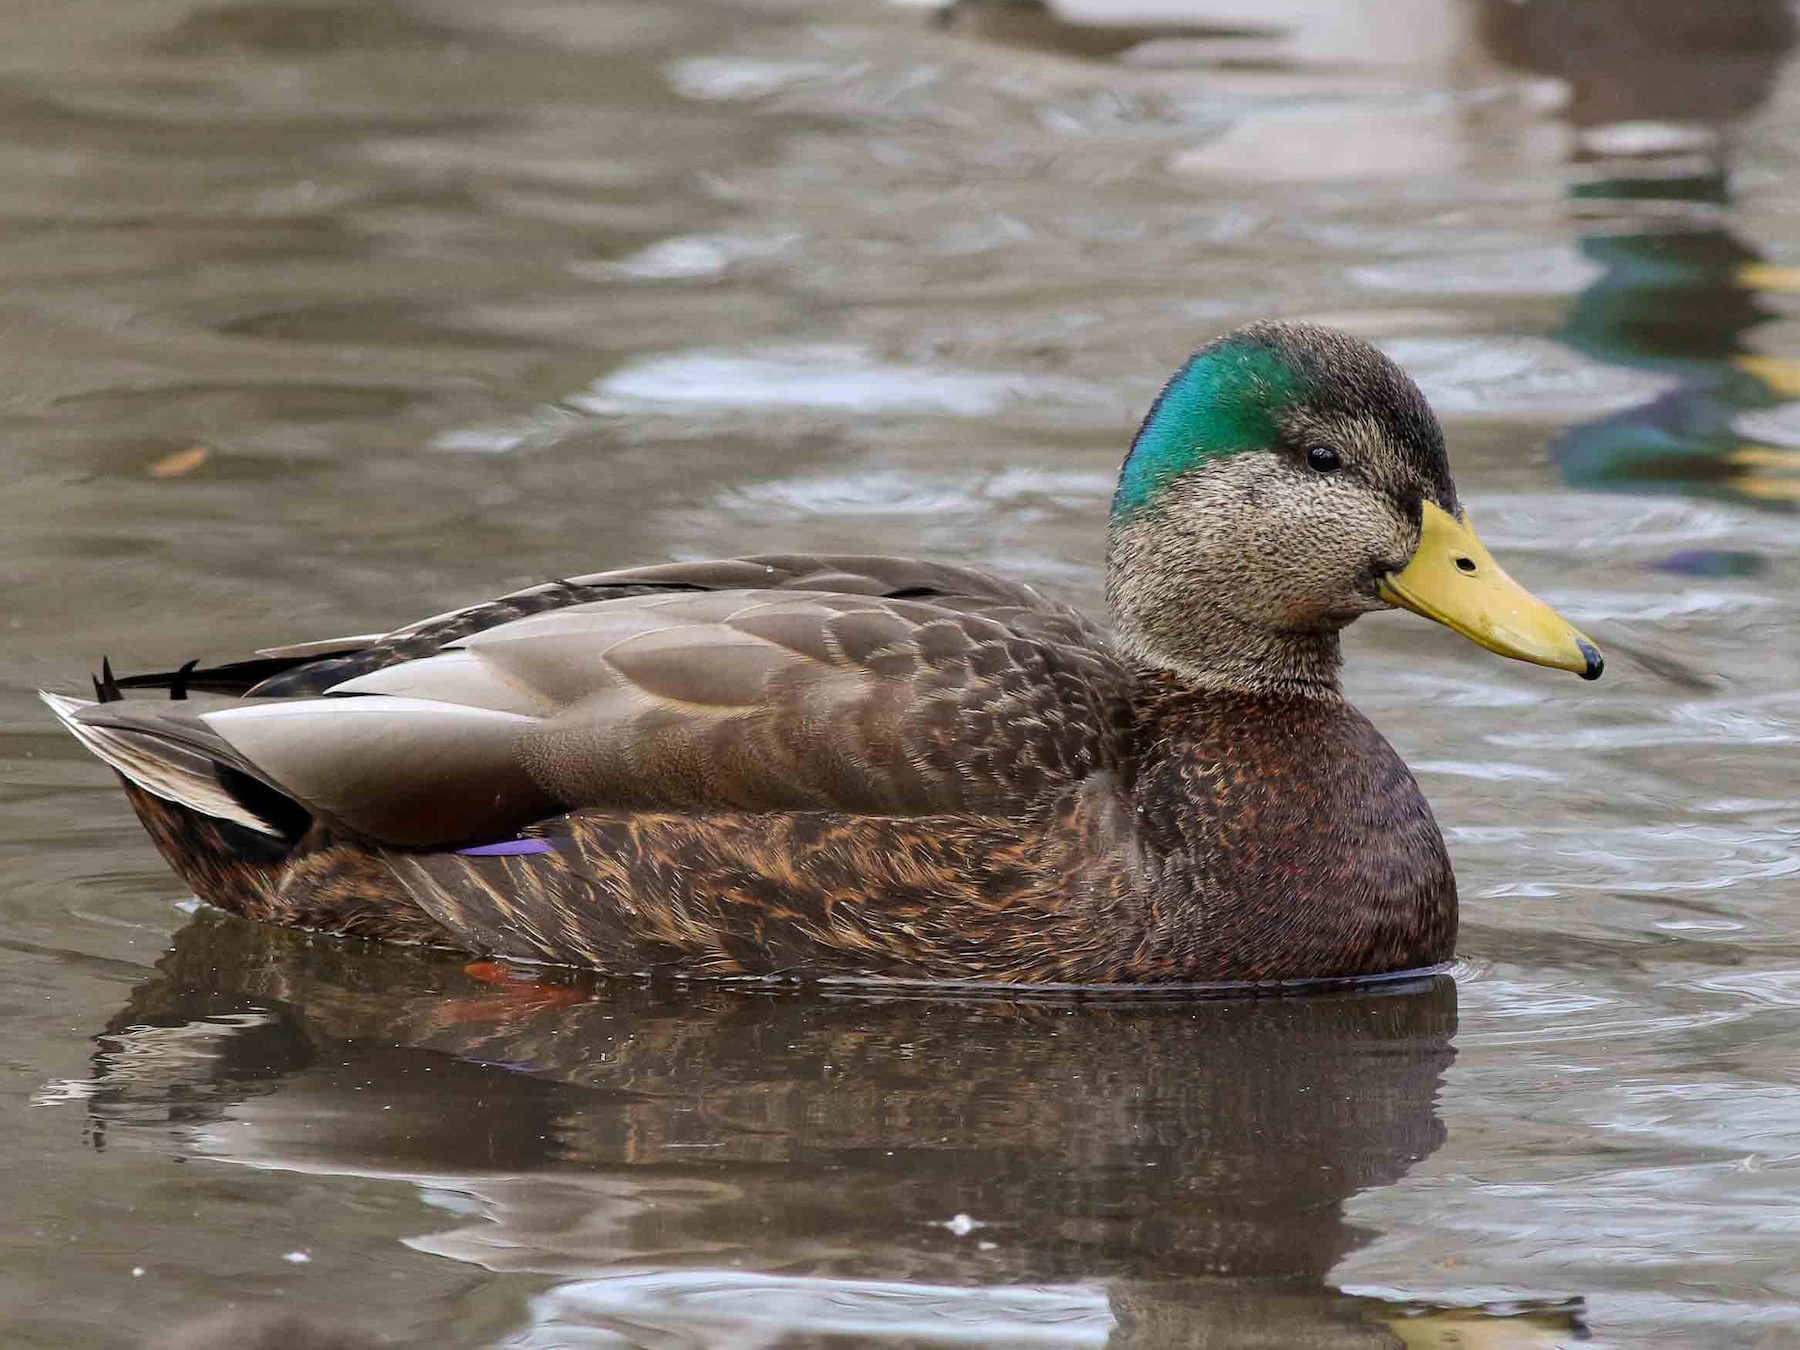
(314, 667)
(871, 686)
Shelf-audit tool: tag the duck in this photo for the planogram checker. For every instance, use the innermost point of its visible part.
(818, 767)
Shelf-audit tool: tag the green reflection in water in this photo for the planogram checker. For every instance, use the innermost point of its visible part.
(1680, 303)
(1655, 88)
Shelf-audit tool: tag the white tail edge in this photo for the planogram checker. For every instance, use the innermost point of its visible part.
(161, 768)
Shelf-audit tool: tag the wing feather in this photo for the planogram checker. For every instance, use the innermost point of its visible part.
(789, 682)
(406, 771)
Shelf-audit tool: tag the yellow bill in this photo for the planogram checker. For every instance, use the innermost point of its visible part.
(1453, 580)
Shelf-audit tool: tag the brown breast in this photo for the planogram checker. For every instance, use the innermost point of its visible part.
(1285, 837)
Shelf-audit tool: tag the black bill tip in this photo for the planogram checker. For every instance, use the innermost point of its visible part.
(1595, 662)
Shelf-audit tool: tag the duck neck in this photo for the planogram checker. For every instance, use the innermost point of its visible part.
(1187, 608)
(1206, 648)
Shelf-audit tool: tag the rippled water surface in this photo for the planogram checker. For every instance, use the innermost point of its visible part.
(318, 317)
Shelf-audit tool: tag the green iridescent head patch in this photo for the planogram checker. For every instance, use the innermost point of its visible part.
(1227, 400)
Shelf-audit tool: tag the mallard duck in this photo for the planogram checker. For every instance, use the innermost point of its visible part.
(823, 766)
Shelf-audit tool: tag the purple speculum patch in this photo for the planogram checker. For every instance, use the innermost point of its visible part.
(507, 848)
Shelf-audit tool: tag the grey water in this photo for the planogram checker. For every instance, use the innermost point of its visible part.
(319, 317)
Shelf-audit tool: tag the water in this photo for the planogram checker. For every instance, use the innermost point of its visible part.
(320, 317)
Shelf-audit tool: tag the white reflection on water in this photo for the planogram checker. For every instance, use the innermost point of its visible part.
(1494, 770)
(833, 377)
(835, 380)
(893, 492)
(1546, 271)
(1519, 377)
(746, 1310)
(692, 256)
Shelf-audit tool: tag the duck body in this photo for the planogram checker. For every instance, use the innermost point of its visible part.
(944, 776)
(815, 766)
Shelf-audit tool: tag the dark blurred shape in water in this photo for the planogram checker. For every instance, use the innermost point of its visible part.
(1194, 1156)
(1646, 60)
(261, 1330)
(1037, 26)
(1654, 88)
(303, 30)
(1714, 562)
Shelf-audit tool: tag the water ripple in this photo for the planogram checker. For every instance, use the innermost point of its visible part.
(831, 378)
(707, 1304)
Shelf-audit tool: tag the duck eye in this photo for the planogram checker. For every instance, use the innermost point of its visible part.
(1323, 459)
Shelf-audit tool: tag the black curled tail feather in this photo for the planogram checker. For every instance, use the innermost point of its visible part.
(232, 677)
(106, 688)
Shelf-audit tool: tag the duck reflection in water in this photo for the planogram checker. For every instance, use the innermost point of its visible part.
(1655, 88)
(715, 1161)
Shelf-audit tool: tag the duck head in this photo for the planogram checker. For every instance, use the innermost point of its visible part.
(1288, 479)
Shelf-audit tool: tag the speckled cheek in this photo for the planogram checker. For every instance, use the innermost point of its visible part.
(1314, 559)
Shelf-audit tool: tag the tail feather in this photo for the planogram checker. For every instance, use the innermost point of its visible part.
(165, 763)
(233, 677)
(239, 677)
